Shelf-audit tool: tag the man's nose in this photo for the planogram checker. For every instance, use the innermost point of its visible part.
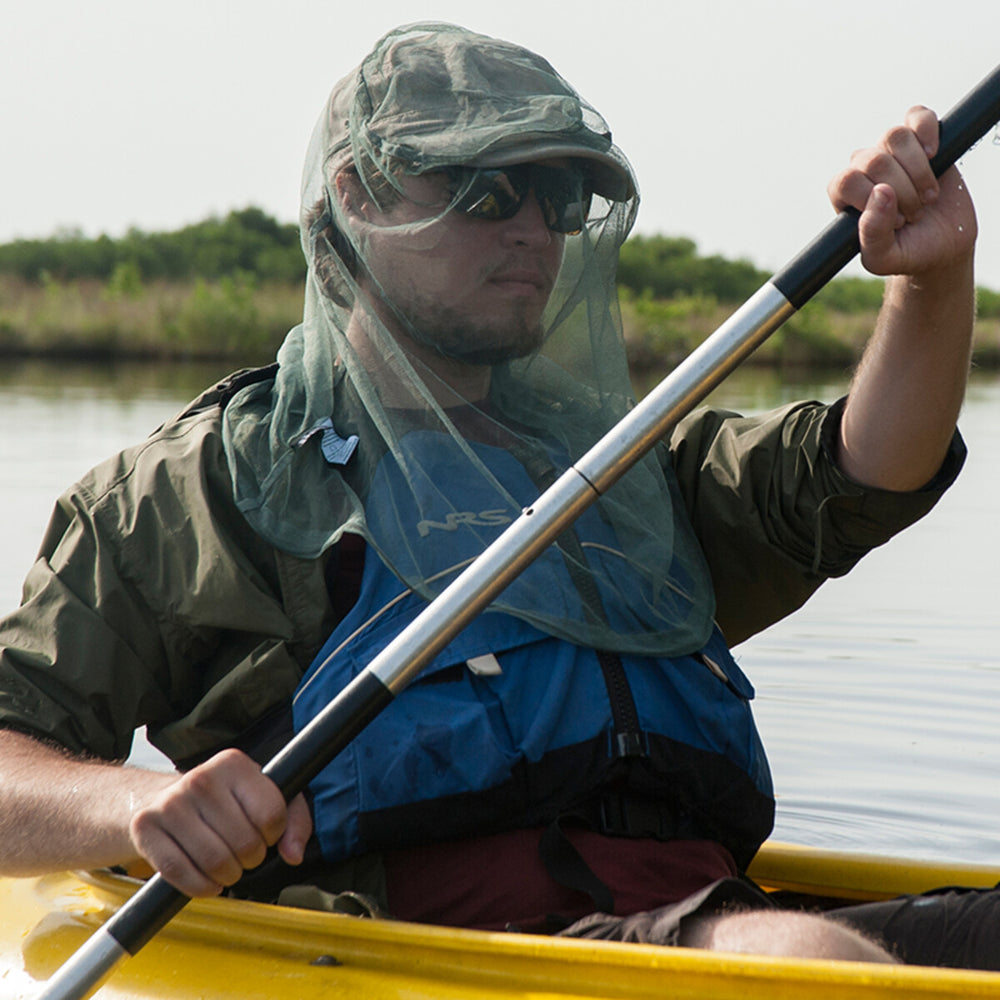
(528, 226)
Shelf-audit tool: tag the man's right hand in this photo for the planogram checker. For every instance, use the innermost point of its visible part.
(211, 824)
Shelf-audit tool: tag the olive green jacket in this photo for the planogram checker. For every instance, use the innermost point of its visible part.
(153, 603)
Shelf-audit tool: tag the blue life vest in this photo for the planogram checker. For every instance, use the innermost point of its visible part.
(510, 727)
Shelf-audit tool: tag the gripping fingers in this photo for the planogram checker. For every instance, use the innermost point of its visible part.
(909, 169)
(925, 126)
(901, 160)
(878, 224)
(218, 820)
(292, 845)
(174, 862)
(910, 221)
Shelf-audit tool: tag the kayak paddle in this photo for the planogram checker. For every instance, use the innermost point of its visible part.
(292, 768)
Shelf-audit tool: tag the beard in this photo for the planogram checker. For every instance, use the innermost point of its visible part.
(481, 330)
(482, 341)
(479, 343)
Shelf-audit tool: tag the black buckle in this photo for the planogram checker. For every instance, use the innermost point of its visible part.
(627, 816)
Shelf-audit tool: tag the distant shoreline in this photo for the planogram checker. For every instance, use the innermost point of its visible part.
(244, 322)
(229, 289)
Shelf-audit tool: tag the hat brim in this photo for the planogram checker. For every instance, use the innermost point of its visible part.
(611, 178)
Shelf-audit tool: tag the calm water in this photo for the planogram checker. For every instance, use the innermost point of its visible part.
(878, 701)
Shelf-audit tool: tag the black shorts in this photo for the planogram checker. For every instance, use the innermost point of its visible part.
(954, 927)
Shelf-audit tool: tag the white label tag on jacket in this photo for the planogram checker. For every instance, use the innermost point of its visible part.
(486, 665)
(336, 450)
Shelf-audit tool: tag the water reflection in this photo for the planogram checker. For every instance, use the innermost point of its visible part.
(122, 382)
(877, 700)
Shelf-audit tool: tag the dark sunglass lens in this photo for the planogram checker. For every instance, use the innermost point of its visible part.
(495, 194)
(564, 196)
(492, 194)
(573, 216)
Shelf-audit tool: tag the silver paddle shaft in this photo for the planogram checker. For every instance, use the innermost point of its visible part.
(579, 486)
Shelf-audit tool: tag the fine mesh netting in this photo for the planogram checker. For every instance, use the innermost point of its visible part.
(461, 345)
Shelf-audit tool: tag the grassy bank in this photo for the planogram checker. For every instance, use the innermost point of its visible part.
(661, 332)
(230, 288)
(231, 318)
(243, 320)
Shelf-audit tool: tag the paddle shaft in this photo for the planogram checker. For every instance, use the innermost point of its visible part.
(157, 902)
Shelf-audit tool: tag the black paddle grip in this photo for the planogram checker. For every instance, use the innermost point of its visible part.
(961, 128)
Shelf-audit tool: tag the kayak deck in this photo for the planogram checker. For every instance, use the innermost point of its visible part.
(217, 949)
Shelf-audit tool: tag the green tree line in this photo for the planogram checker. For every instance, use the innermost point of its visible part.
(666, 267)
(232, 287)
(249, 243)
(245, 242)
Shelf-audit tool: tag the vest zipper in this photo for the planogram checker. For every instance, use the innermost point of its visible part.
(629, 739)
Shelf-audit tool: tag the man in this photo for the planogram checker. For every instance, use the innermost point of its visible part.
(587, 745)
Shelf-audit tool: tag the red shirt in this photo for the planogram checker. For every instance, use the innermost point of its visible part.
(498, 882)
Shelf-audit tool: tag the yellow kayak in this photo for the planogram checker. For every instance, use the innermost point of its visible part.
(220, 948)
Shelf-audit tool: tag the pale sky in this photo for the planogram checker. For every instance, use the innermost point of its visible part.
(734, 113)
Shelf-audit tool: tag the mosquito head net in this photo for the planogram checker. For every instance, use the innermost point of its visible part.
(462, 212)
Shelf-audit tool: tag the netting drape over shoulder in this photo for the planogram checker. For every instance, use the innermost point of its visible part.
(442, 377)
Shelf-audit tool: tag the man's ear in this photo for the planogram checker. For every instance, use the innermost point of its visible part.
(351, 195)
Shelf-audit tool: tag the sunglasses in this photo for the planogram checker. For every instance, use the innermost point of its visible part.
(563, 193)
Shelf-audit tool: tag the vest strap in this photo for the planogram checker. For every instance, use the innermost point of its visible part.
(566, 865)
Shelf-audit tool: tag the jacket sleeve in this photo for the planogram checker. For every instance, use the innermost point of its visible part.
(153, 603)
(67, 674)
(775, 515)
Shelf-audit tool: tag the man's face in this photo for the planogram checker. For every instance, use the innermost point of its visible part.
(472, 289)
